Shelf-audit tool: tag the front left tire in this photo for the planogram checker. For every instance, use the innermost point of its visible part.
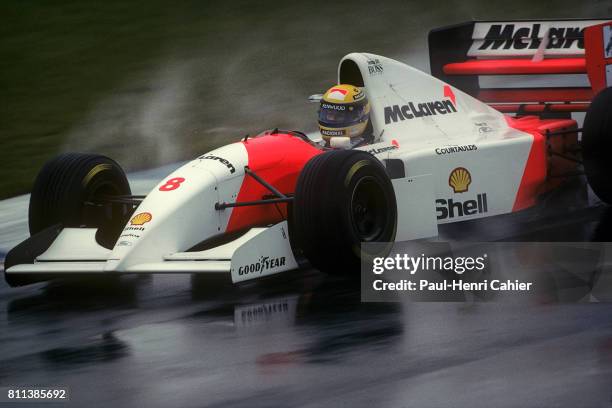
(65, 187)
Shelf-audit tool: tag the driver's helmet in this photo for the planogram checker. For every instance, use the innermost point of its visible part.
(344, 112)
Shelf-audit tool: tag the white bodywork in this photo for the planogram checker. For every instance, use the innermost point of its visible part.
(494, 151)
(467, 134)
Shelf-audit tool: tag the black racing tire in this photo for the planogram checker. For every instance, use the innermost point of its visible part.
(597, 144)
(66, 183)
(343, 198)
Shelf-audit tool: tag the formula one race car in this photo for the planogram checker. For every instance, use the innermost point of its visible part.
(446, 149)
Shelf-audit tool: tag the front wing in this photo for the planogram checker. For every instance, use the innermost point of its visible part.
(74, 251)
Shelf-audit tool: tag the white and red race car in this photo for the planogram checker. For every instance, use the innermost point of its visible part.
(450, 147)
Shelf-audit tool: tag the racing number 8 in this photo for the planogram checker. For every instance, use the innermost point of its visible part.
(172, 184)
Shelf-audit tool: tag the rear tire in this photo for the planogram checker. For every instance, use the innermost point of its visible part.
(596, 145)
(66, 183)
(343, 198)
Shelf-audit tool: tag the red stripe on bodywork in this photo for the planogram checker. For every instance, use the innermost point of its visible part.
(534, 174)
(534, 180)
(448, 93)
(278, 159)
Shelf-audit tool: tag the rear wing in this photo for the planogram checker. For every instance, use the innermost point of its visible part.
(535, 67)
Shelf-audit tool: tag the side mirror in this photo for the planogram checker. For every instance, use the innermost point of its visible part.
(316, 98)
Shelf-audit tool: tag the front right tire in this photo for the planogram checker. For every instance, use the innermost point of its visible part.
(343, 198)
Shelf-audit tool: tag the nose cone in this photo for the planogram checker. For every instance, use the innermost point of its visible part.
(176, 215)
(180, 211)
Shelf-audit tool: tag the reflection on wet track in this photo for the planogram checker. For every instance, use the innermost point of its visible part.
(306, 339)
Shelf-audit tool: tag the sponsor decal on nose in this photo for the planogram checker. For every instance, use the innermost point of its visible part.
(141, 218)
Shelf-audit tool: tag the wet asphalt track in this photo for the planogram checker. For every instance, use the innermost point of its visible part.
(305, 339)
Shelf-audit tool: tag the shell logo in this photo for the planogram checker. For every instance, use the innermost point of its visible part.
(142, 218)
(459, 180)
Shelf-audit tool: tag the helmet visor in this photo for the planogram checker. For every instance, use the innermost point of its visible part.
(335, 115)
